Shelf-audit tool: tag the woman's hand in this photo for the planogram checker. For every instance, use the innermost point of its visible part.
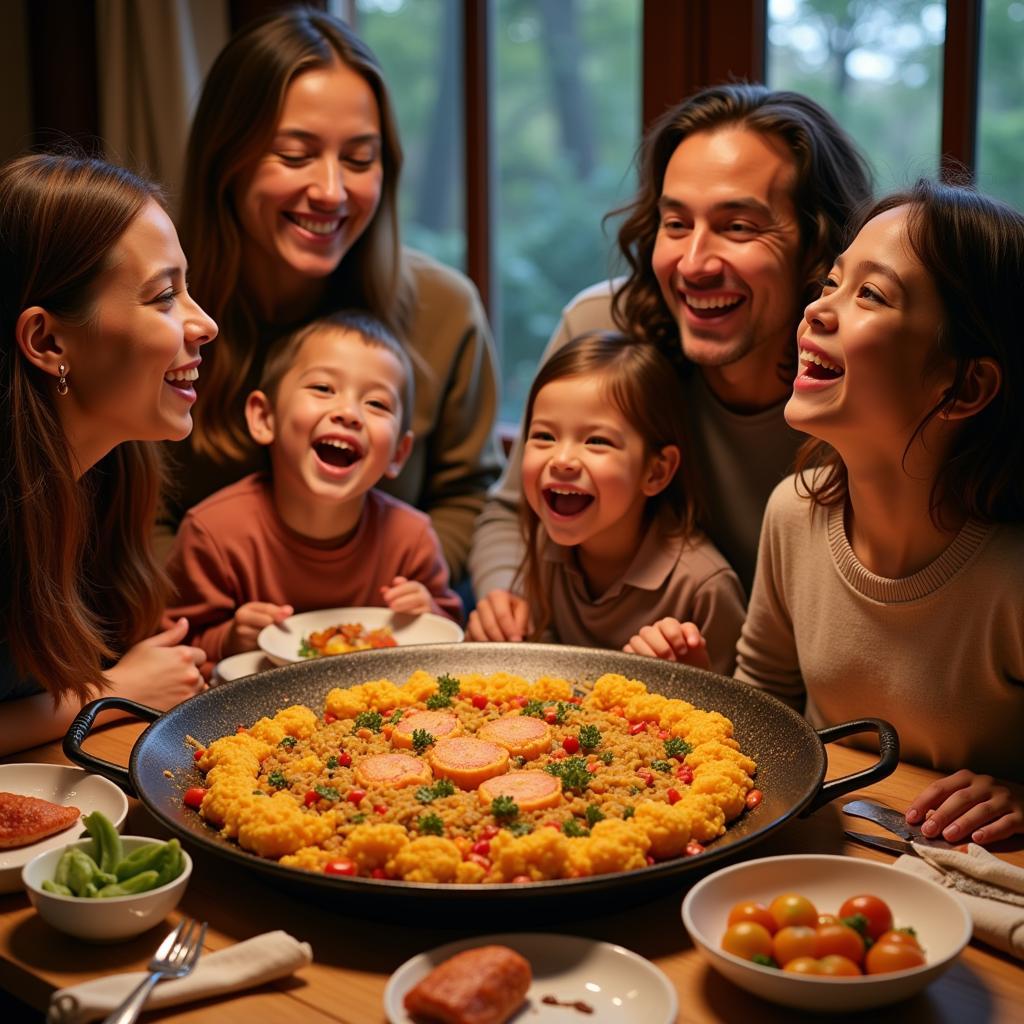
(249, 620)
(160, 671)
(966, 806)
(500, 616)
(671, 640)
(409, 597)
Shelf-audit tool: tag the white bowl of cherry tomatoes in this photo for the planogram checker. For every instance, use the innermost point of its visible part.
(824, 933)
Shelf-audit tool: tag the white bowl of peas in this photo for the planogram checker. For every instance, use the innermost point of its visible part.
(125, 900)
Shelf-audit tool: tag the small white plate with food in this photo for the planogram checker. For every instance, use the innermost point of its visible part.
(600, 981)
(343, 630)
(238, 666)
(41, 807)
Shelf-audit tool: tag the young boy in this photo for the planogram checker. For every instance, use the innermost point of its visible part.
(333, 408)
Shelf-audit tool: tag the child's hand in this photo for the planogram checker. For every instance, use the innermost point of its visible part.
(967, 806)
(500, 616)
(408, 596)
(160, 671)
(249, 620)
(671, 640)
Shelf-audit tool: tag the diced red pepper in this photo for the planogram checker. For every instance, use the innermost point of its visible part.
(684, 773)
(484, 862)
(479, 701)
(378, 873)
(663, 734)
(310, 798)
(198, 754)
(356, 796)
(753, 798)
(693, 848)
(344, 759)
(482, 847)
(194, 797)
(592, 766)
(673, 796)
(339, 867)
(489, 831)
(571, 745)
(329, 717)
(650, 860)
(380, 808)
(551, 716)
(635, 728)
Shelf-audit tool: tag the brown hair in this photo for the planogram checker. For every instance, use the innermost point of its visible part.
(644, 387)
(78, 579)
(233, 126)
(972, 246)
(832, 181)
(369, 329)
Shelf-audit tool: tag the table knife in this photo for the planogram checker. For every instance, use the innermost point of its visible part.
(881, 842)
(892, 821)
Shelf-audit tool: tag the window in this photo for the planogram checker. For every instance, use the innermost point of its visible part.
(876, 65)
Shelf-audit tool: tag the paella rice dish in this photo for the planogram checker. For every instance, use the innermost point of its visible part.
(344, 639)
(477, 779)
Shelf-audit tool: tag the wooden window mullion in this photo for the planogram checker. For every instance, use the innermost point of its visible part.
(960, 65)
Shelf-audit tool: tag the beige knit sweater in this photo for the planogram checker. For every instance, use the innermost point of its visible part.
(939, 654)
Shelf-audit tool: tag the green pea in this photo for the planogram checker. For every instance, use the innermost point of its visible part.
(60, 890)
(142, 882)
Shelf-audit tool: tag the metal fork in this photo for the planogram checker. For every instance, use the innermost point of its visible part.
(176, 956)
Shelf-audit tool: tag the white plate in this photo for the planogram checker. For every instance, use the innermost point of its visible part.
(239, 665)
(622, 987)
(60, 784)
(281, 642)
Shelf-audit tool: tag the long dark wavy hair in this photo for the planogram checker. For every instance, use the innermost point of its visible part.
(643, 385)
(78, 580)
(972, 246)
(832, 181)
(233, 127)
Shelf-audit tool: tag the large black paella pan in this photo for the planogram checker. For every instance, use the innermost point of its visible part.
(789, 753)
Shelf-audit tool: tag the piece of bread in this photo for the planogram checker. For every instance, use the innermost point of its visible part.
(485, 985)
(27, 819)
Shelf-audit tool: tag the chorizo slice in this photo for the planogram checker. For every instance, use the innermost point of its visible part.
(521, 735)
(485, 985)
(395, 770)
(532, 790)
(439, 724)
(468, 761)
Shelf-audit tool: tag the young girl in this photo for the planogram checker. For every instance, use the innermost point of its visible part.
(99, 350)
(609, 519)
(889, 579)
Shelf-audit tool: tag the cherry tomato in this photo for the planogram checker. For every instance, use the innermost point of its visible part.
(751, 910)
(838, 940)
(899, 937)
(344, 759)
(684, 773)
(753, 798)
(673, 796)
(693, 848)
(635, 728)
(747, 939)
(479, 701)
(803, 965)
(329, 717)
(194, 796)
(481, 846)
(198, 754)
(356, 796)
(877, 912)
(824, 919)
(570, 744)
(793, 942)
(339, 867)
(884, 957)
(791, 908)
(835, 966)
(310, 798)
(489, 831)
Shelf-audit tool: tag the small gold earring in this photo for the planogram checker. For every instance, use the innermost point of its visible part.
(62, 381)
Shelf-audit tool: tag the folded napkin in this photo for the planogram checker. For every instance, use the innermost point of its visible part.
(991, 890)
(252, 962)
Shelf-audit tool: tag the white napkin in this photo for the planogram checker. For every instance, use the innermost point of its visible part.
(252, 962)
(991, 889)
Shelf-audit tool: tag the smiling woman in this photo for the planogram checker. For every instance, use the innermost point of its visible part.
(99, 351)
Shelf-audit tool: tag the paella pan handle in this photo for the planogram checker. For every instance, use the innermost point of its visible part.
(82, 726)
(888, 759)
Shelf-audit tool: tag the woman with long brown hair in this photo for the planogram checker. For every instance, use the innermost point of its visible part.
(289, 213)
(99, 352)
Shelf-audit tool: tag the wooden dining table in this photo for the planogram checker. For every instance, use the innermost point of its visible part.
(353, 956)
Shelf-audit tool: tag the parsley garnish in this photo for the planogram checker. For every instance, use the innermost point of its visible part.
(533, 708)
(607, 756)
(288, 742)
(572, 771)
(676, 747)
(396, 716)
(277, 780)
(593, 814)
(628, 813)
(371, 720)
(574, 829)
(504, 807)
(428, 794)
(539, 708)
(519, 828)
(661, 766)
(437, 701)
(305, 650)
(590, 737)
(357, 819)
(430, 825)
(421, 739)
(332, 763)
(327, 792)
(448, 686)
